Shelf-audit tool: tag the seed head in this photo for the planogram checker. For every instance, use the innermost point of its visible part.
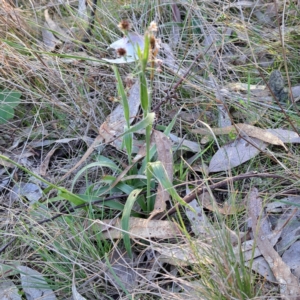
(153, 26)
(152, 41)
(124, 25)
(121, 51)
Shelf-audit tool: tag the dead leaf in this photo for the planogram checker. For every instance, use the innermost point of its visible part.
(44, 165)
(5, 163)
(288, 223)
(31, 191)
(286, 136)
(4, 182)
(261, 134)
(235, 153)
(198, 219)
(34, 285)
(18, 156)
(139, 228)
(245, 129)
(113, 126)
(189, 145)
(76, 295)
(296, 92)
(49, 40)
(9, 291)
(184, 254)
(115, 122)
(122, 266)
(260, 266)
(165, 155)
(289, 284)
(292, 258)
(61, 34)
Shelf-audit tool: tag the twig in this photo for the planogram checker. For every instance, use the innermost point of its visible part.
(190, 197)
(171, 92)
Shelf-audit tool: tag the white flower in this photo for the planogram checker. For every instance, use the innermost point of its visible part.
(129, 43)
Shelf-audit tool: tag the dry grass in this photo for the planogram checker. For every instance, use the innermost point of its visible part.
(63, 97)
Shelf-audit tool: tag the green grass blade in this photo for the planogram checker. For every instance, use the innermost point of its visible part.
(126, 217)
(122, 94)
(128, 140)
(74, 199)
(105, 163)
(145, 56)
(144, 93)
(115, 276)
(161, 175)
(167, 131)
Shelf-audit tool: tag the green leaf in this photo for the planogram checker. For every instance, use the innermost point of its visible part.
(153, 151)
(161, 175)
(128, 140)
(122, 94)
(11, 97)
(107, 162)
(126, 217)
(114, 205)
(103, 162)
(74, 199)
(6, 113)
(142, 124)
(167, 130)
(145, 56)
(144, 92)
(8, 101)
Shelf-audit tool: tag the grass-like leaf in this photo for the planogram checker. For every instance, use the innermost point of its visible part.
(142, 124)
(161, 175)
(122, 94)
(126, 217)
(102, 163)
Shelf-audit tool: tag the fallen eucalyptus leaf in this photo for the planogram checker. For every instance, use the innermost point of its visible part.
(265, 135)
(76, 295)
(165, 156)
(31, 191)
(49, 40)
(289, 284)
(141, 228)
(235, 153)
(8, 291)
(60, 33)
(34, 285)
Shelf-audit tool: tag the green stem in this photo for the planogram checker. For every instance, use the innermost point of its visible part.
(150, 203)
